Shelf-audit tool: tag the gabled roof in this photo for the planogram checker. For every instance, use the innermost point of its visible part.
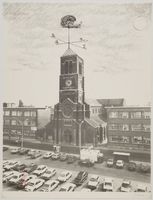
(95, 121)
(69, 52)
(111, 102)
(92, 102)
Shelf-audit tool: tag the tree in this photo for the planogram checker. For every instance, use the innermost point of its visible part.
(4, 105)
(20, 103)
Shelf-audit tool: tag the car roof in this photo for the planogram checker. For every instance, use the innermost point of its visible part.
(32, 175)
(67, 185)
(51, 181)
(86, 189)
(126, 181)
(141, 187)
(41, 165)
(16, 173)
(65, 172)
(35, 180)
(94, 176)
(108, 179)
(81, 172)
(50, 169)
(119, 160)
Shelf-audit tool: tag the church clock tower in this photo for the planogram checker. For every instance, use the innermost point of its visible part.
(71, 77)
(69, 113)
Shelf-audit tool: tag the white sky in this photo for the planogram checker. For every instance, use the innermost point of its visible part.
(117, 59)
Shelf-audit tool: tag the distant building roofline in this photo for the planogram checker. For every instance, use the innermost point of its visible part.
(130, 106)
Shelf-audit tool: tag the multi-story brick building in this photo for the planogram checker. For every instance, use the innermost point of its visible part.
(26, 120)
(129, 127)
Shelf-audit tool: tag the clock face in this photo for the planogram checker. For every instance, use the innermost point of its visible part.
(68, 82)
(67, 110)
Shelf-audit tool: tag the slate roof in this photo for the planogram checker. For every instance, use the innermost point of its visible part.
(69, 52)
(95, 121)
(92, 102)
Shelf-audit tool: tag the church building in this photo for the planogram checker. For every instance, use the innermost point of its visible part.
(74, 123)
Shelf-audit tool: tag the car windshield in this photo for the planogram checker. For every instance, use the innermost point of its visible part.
(30, 184)
(80, 174)
(12, 163)
(62, 190)
(62, 175)
(93, 179)
(108, 183)
(48, 172)
(125, 185)
(140, 190)
(46, 185)
(15, 177)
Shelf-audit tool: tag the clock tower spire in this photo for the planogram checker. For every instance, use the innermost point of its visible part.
(69, 113)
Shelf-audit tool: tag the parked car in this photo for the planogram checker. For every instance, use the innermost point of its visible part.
(31, 151)
(107, 185)
(16, 177)
(35, 155)
(48, 174)
(144, 168)
(86, 163)
(34, 184)
(24, 181)
(93, 182)
(86, 190)
(30, 168)
(126, 186)
(131, 166)
(47, 155)
(55, 156)
(11, 164)
(64, 176)
(71, 159)
(68, 187)
(63, 157)
(23, 151)
(141, 188)
(15, 150)
(6, 162)
(19, 167)
(49, 186)
(80, 178)
(110, 162)
(40, 170)
(8, 175)
(100, 158)
(5, 148)
(120, 164)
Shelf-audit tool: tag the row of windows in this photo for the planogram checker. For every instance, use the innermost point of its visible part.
(19, 133)
(127, 127)
(20, 113)
(132, 115)
(19, 123)
(134, 140)
(95, 110)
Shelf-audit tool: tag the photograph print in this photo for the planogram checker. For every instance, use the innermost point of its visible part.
(77, 98)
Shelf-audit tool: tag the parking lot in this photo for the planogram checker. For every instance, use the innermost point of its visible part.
(99, 169)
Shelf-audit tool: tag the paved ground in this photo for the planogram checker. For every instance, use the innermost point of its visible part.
(117, 174)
